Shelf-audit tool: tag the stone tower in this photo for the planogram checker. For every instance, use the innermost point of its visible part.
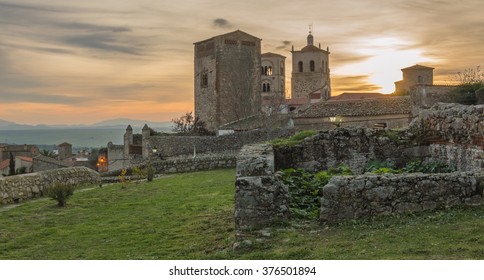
(65, 151)
(273, 80)
(412, 76)
(310, 71)
(227, 78)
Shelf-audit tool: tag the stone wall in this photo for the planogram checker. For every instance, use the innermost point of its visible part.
(194, 164)
(454, 134)
(354, 147)
(449, 133)
(169, 146)
(261, 198)
(363, 196)
(18, 188)
(425, 96)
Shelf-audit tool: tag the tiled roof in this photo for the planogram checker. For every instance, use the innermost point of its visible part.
(4, 164)
(364, 107)
(51, 160)
(357, 95)
(29, 159)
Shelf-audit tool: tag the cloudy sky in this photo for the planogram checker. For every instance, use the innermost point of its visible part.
(87, 61)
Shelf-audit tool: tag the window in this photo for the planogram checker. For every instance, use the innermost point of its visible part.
(300, 66)
(269, 71)
(204, 80)
(311, 65)
(266, 87)
(324, 66)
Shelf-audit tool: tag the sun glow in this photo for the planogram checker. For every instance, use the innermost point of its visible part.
(387, 56)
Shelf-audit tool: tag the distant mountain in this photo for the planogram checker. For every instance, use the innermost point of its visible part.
(114, 123)
(134, 123)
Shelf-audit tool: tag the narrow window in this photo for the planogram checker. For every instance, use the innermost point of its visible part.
(264, 87)
(268, 87)
(300, 66)
(311, 65)
(269, 71)
(204, 81)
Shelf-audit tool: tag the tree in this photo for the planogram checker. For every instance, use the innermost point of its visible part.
(190, 125)
(469, 80)
(47, 153)
(11, 165)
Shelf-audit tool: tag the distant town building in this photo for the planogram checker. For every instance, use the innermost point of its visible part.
(65, 151)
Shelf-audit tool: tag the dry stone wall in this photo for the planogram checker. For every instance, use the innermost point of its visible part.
(169, 146)
(363, 196)
(194, 164)
(260, 196)
(18, 188)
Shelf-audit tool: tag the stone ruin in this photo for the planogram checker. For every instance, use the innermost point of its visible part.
(448, 133)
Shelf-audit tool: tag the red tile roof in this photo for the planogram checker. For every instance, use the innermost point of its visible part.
(4, 164)
(29, 159)
(357, 95)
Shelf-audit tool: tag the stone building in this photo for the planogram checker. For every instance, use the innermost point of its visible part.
(273, 81)
(413, 76)
(65, 151)
(227, 78)
(310, 71)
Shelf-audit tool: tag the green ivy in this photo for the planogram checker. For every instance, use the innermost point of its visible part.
(306, 189)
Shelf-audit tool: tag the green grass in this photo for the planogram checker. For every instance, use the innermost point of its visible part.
(190, 216)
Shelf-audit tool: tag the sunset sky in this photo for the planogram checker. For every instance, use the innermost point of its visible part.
(80, 62)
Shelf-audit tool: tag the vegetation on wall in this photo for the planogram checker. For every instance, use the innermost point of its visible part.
(414, 166)
(306, 189)
(293, 140)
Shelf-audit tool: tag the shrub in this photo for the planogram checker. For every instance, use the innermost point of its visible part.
(60, 192)
(123, 178)
(379, 167)
(429, 167)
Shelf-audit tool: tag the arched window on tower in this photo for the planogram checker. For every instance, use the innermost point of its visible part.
(311, 65)
(263, 87)
(268, 87)
(262, 70)
(269, 71)
(300, 66)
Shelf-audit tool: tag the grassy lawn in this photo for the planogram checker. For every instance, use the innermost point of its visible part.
(190, 216)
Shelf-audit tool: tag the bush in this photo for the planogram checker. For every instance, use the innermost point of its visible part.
(429, 167)
(60, 192)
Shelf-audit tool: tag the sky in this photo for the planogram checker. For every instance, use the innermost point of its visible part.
(81, 62)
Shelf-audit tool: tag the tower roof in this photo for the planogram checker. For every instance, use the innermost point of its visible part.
(269, 54)
(236, 32)
(417, 66)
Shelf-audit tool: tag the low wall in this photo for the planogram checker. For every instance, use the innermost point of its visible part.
(196, 164)
(261, 198)
(169, 146)
(364, 196)
(18, 188)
